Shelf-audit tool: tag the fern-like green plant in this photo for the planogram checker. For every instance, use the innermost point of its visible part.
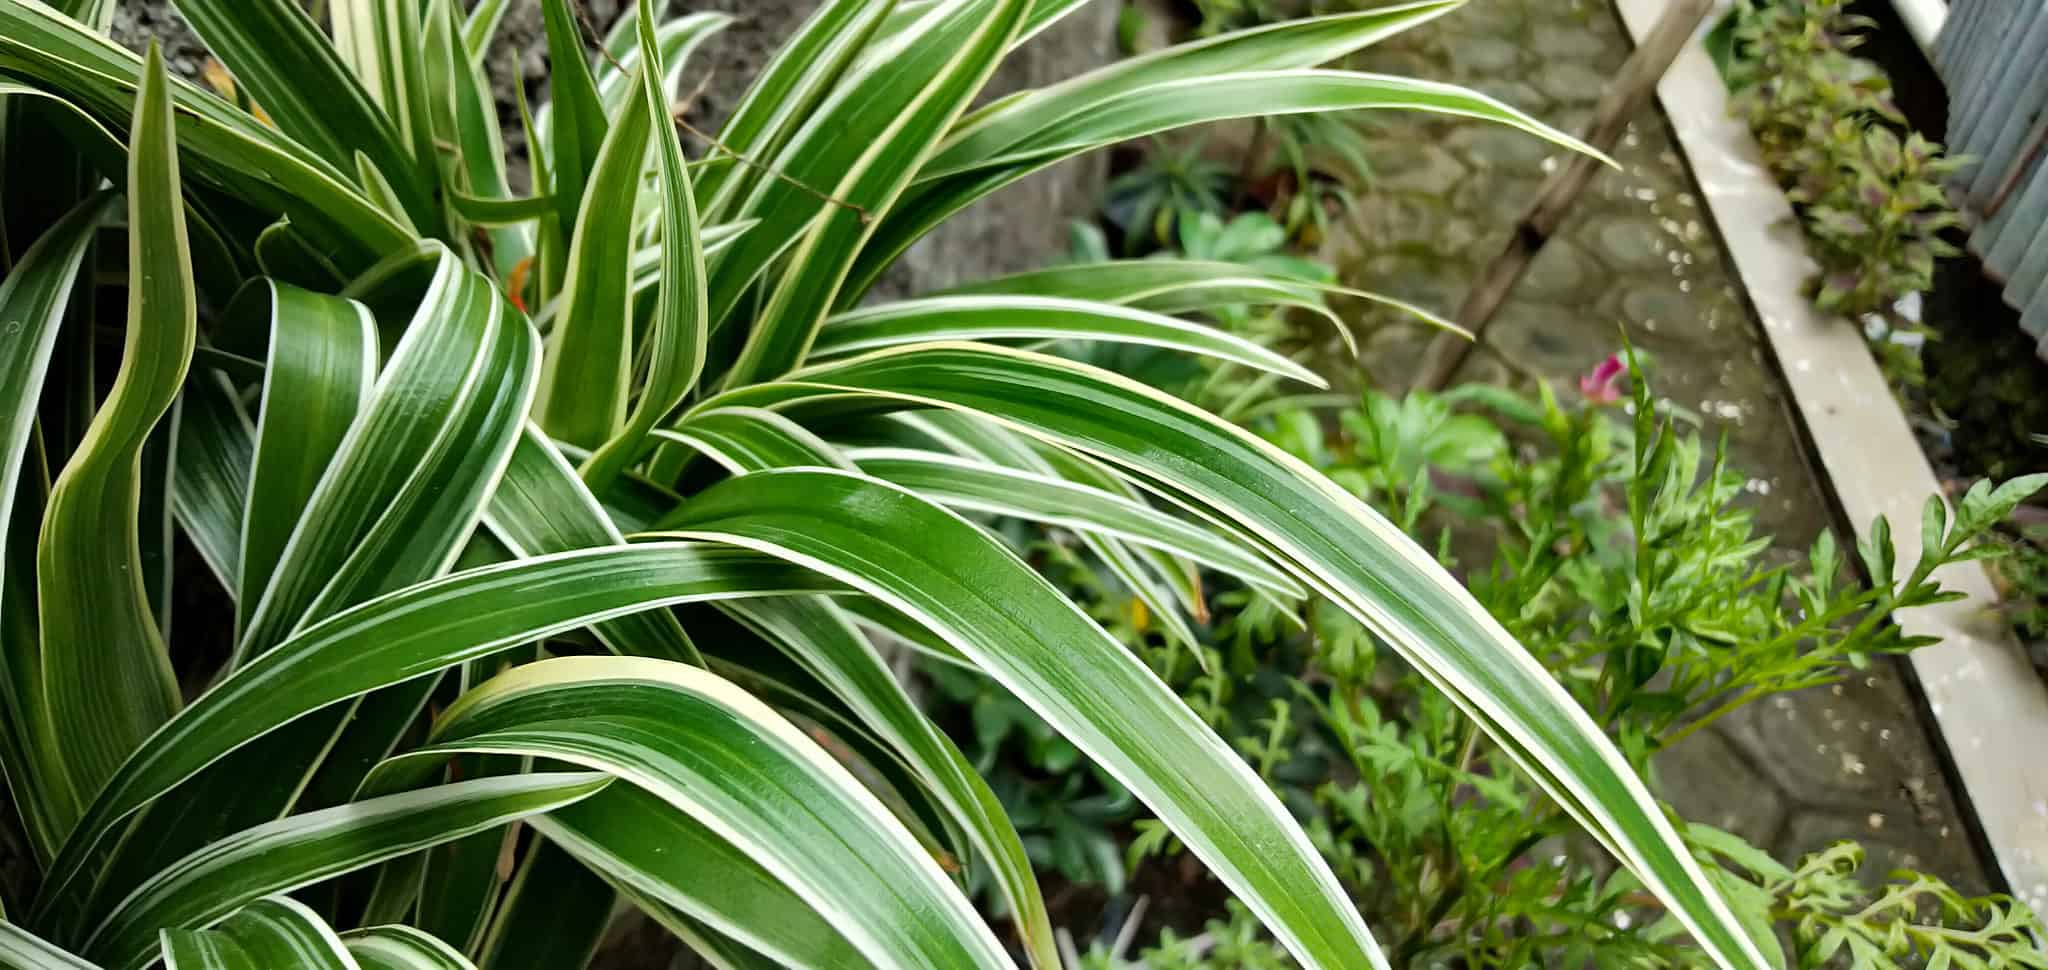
(587, 509)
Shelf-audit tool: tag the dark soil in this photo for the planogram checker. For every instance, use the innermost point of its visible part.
(1981, 406)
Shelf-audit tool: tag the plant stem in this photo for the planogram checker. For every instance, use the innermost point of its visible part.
(1740, 700)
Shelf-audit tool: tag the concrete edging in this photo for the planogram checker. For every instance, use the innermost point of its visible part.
(1990, 706)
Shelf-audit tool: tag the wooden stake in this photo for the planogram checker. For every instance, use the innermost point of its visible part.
(1621, 101)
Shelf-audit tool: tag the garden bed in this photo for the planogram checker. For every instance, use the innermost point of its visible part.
(1643, 255)
(1990, 714)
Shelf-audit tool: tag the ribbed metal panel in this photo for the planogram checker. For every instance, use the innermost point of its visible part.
(1993, 56)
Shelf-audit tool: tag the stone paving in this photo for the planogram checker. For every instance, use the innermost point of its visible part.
(1796, 772)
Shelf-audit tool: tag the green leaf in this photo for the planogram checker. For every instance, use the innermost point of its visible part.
(1334, 544)
(319, 358)
(1120, 114)
(676, 868)
(1167, 586)
(576, 128)
(495, 211)
(410, 476)
(678, 332)
(587, 373)
(461, 886)
(544, 279)
(478, 139)
(381, 40)
(674, 38)
(971, 591)
(2005, 498)
(405, 486)
(1188, 285)
(224, 146)
(1933, 536)
(402, 493)
(541, 507)
(395, 891)
(378, 723)
(301, 850)
(210, 473)
(107, 677)
(280, 58)
(480, 27)
(20, 948)
(712, 751)
(400, 636)
(34, 298)
(786, 92)
(402, 948)
(1138, 111)
(822, 640)
(1736, 850)
(966, 485)
(1039, 318)
(1297, 43)
(277, 931)
(1146, 587)
(155, 521)
(380, 191)
(284, 253)
(861, 148)
(752, 439)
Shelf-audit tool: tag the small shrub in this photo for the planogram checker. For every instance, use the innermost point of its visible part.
(406, 421)
(1618, 551)
(1872, 202)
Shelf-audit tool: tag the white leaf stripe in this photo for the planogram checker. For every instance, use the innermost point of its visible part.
(758, 783)
(1333, 542)
(821, 639)
(229, 148)
(932, 70)
(276, 931)
(107, 675)
(395, 947)
(22, 949)
(1150, 110)
(586, 376)
(718, 886)
(969, 485)
(1184, 285)
(196, 950)
(678, 334)
(1297, 43)
(804, 69)
(390, 639)
(943, 572)
(300, 850)
(540, 507)
(1124, 113)
(752, 439)
(34, 297)
(319, 368)
(1039, 317)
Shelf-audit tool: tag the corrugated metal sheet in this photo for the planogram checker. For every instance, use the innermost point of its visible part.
(1993, 56)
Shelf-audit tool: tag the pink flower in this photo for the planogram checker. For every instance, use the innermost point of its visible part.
(1599, 386)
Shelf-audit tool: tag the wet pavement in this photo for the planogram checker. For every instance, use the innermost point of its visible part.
(1637, 255)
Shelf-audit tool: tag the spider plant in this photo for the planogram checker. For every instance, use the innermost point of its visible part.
(551, 542)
